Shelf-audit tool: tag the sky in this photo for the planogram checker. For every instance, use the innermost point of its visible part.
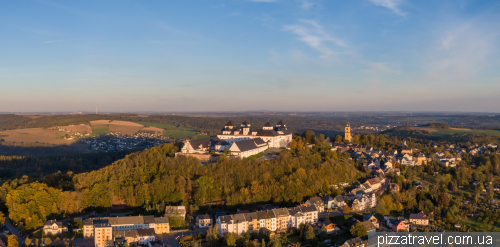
(242, 55)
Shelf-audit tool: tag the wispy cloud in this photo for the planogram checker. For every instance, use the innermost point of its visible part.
(393, 5)
(306, 4)
(461, 51)
(313, 34)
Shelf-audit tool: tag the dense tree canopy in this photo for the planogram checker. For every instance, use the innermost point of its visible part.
(153, 176)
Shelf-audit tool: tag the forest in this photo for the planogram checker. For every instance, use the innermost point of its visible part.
(153, 176)
(39, 166)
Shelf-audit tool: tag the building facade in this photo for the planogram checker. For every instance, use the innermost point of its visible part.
(276, 137)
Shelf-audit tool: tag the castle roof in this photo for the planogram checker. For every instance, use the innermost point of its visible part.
(229, 123)
(267, 124)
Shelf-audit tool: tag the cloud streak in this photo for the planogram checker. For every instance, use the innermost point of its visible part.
(392, 5)
(313, 34)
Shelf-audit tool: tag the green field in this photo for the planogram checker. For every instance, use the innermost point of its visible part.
(478, 226)
(181, 133)
(99, 129)
(470, 131)
(158, 125)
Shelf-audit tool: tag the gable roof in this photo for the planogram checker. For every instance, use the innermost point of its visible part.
(369, 225)
(247, 145)
(146, 232)
(229, 123)
(418, 216)
(327, 198)
(267, 124)
(51, 222)
(315, 200)
(280, 212)
(339, 198)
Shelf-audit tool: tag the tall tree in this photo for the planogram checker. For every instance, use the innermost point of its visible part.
(358, 230)
(12, 241)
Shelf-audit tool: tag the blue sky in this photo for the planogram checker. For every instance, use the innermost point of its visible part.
(295, 55)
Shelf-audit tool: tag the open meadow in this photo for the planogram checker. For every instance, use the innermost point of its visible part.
(101, 129)
(77, 128)
(466, 131)
(35, 135)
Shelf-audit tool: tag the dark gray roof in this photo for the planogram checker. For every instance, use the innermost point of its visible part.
(94, 221)
(339, 198)
(315, 200)
(418, 216)
(267, 214)
(294, 211)
(263, 132)
(149, 219)
(204, 143)
(306, 209)
(51, 222)
(267, 124)
(251, 216)
(229, 123)
(280, 123)
(239, 218)
(161, 220)
(204, 216)
(259, 141)
(225, 219)
(245, 123)
(327, 198)
(280, 212)
(245, 145)
(146, 232)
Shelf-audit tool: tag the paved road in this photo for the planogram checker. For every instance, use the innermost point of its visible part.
(172, 239)
(13, 229)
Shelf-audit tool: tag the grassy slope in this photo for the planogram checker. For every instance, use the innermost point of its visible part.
(471, 131)
(158, 125)
(99, 129)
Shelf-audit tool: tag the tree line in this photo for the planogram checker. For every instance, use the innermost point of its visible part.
(154, 176)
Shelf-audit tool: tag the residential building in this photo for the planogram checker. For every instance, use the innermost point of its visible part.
(53, 227)
(328, 201)
(103, 235)
(253, 222)
(318, 202)
(204, 221)
(162, 225)
(282, 219)
(146, 236)
(225, 224)
(175, 211)
(355, 242)
(131, 237)
(397, 225)
(419, 219)
(370, 228)
(239, 223)
(310, 213)
(331, 228)
(278, 136)
(394, 187)
(372, 219)
(339, 201)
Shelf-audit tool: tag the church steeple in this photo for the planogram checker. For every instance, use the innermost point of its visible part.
(348, 136)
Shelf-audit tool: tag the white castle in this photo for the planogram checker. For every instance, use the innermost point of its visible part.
(276, 137)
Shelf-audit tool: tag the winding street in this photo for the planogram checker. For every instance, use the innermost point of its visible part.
(13, 229)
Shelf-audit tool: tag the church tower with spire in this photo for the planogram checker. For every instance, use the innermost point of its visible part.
(348, 135)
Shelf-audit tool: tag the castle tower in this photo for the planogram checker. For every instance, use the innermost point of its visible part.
(347, 135)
